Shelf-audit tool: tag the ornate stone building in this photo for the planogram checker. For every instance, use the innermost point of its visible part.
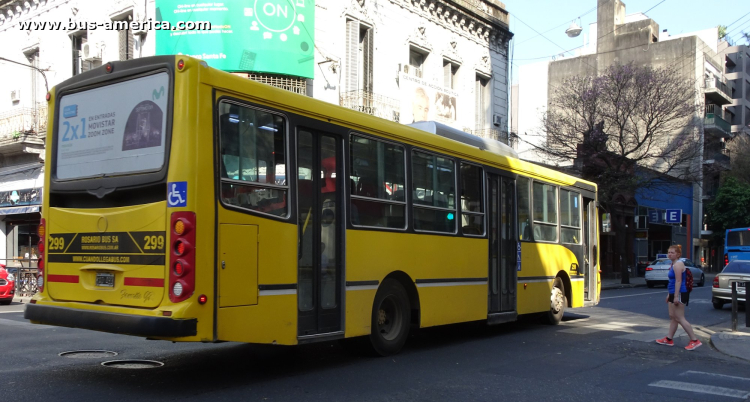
(402, 60)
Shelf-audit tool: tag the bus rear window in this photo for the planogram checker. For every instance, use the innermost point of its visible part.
(738, 238)
(113, 130)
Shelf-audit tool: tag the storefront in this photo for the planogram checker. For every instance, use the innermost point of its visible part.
(20, 214)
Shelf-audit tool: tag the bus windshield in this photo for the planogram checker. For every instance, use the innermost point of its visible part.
(113, 130)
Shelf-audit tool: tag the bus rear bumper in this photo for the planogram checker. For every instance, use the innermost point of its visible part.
(157, 327)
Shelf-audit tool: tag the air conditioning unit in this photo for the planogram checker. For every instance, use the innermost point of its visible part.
(15, 95)
(91, 52)
(497, 120)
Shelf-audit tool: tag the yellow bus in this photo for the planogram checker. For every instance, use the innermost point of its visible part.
(185, 203)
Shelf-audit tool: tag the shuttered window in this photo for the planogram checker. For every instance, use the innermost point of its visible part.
(358, 69)
(126, 41)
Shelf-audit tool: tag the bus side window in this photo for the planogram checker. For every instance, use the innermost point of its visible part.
(524, 223)
(253, 160)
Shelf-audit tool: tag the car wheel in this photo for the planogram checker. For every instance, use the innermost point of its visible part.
(703, 280)
(718, 304)
(649, 284)
(557, 303)
(391, 316)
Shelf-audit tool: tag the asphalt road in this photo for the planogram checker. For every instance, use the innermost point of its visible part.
(600, 353)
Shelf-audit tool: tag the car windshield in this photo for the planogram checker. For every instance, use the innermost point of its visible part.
(737, 267)
(664, 261)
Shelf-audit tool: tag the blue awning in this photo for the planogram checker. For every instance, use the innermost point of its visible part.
(19, 210)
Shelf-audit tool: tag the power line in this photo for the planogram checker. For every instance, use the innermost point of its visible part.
(737, 20)
(600, 37)
(558, 26)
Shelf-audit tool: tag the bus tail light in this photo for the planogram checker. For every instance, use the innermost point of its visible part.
(182, 256)
(726, 259)
(42, 232)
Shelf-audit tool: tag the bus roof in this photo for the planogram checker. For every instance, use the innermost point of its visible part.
(448, 140)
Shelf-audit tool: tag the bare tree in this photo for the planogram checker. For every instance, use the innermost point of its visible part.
(632, 128)
(740, 152)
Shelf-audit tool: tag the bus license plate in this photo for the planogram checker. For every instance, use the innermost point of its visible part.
(105, 279)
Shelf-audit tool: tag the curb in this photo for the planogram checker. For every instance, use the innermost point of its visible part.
(732, 337)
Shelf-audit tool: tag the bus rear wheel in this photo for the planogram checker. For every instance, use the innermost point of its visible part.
(557, 303)
(391, 316)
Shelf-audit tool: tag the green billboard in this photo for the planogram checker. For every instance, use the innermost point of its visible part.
(267, 36)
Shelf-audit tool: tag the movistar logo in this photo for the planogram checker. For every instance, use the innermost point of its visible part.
(157, 94)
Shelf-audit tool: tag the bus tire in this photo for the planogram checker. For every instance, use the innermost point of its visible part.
(391, 317)
(557, 303)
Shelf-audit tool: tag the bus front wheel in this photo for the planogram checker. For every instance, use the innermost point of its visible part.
(391, 316)
(557, 303)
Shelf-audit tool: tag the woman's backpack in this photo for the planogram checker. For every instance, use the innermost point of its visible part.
(688, 280)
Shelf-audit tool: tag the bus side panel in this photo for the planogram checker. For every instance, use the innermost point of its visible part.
(540, 264)
(274, 317)
(420, 256)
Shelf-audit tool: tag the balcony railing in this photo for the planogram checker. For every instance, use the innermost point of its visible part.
(714, 85)
(717, 156)
(23, 121)
(372, 104)
(494, 134)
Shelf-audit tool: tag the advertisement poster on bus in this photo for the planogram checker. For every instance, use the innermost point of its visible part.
(425, 101)
(267, 36)
(115, 129)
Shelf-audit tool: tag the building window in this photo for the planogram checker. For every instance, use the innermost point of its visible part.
(434, 198)
(253, 162)
(417, 59)
(472, 200)
(77, 41)
(126, 38)
(377, 181)
(359, 57)
(545, 212)
(450, 74)
(481, 102)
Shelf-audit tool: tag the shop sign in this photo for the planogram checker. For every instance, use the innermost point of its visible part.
(29, 196)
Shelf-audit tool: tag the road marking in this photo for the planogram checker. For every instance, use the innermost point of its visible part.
(638, 294)
(715, 375)
(641, 294)
(19, 324)
(701, 389)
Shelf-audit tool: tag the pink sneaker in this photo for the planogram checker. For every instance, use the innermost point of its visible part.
(665, 341)
(693, 344)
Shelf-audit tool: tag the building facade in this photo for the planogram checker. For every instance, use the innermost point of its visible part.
(402, 60)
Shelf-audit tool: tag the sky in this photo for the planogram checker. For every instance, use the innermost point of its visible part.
(552, 17)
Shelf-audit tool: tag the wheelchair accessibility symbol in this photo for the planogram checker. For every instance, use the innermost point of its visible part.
(177, 194)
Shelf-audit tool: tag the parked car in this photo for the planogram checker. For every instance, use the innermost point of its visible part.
(658, 272)
(7, 286)
(721, 293)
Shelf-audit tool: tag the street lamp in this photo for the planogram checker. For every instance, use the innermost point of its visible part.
(573, 30)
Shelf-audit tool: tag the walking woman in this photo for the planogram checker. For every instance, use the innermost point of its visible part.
(677, 300)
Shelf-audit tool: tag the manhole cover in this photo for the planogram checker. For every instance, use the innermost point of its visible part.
(88, 354)
(132, 364)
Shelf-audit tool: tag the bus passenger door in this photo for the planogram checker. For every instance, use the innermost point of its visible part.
(591, 268)
(320, 231)
(502, 239)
